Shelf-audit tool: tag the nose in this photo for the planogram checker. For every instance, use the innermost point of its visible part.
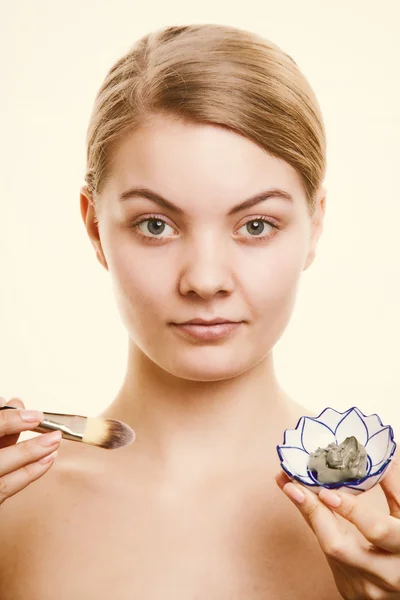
(207, 271)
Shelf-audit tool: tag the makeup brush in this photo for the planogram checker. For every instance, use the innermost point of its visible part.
(105, 433)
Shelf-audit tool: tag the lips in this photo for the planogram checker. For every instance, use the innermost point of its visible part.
(207, 332)
(216, 321)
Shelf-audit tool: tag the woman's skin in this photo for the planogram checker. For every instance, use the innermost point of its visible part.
(191, 508)
(178, 390)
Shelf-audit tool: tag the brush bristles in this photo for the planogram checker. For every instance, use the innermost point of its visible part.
(107, 433)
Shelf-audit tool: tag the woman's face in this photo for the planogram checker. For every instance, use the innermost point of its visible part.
(202, 259)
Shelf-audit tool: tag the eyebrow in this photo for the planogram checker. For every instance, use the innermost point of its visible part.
(143, 192)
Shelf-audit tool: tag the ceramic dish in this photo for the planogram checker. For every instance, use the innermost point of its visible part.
(333, 426)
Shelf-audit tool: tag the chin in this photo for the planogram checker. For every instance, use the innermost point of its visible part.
(208, 368)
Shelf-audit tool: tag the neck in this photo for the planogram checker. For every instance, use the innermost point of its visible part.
(184, 425)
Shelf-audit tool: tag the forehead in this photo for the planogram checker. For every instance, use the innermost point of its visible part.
(184, 161)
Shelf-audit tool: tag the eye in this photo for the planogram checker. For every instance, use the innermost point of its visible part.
(257, 226)
(153, 225)
(151, 228)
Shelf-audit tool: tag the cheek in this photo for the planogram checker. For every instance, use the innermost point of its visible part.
(271, 282)
(267, 277)
(140, 282)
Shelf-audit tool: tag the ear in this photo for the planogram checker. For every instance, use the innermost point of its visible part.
(89, 217)
(317, 222)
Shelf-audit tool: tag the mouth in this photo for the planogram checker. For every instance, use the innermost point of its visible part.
(200, 321)
(208, 331)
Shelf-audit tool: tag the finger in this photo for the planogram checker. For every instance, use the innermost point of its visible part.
(18, 480)
(390, 485)
(282, 478)
(19, 455)
(334, 542)
(13, 438)
(379, 529)
(17, 402)
(12, 424)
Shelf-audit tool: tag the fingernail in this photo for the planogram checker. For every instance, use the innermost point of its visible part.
(2, 401)
(294, 493)
(49, 457)
(330, 498)
(31, 416)
(49, 439)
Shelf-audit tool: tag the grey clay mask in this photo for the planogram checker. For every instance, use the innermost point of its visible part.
(345, 462)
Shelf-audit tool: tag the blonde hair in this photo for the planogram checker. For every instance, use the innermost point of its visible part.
(210, 74)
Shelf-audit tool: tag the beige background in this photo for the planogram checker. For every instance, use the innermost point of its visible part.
(63, 346)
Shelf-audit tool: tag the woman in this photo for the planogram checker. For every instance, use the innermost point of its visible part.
(204, 200)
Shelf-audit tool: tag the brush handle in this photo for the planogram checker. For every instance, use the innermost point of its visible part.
(72, 427)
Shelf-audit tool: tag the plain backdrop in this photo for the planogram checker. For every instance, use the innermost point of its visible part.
(63, 347)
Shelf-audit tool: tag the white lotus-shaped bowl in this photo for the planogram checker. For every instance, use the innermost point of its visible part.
(333, 426)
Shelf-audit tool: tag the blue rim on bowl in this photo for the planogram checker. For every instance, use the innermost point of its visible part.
(334, 426)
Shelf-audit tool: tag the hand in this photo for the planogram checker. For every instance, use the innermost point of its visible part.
(361, 543)
(20, 463)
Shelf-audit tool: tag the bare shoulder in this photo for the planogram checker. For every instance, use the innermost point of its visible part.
(27, 515)
(91, 500)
